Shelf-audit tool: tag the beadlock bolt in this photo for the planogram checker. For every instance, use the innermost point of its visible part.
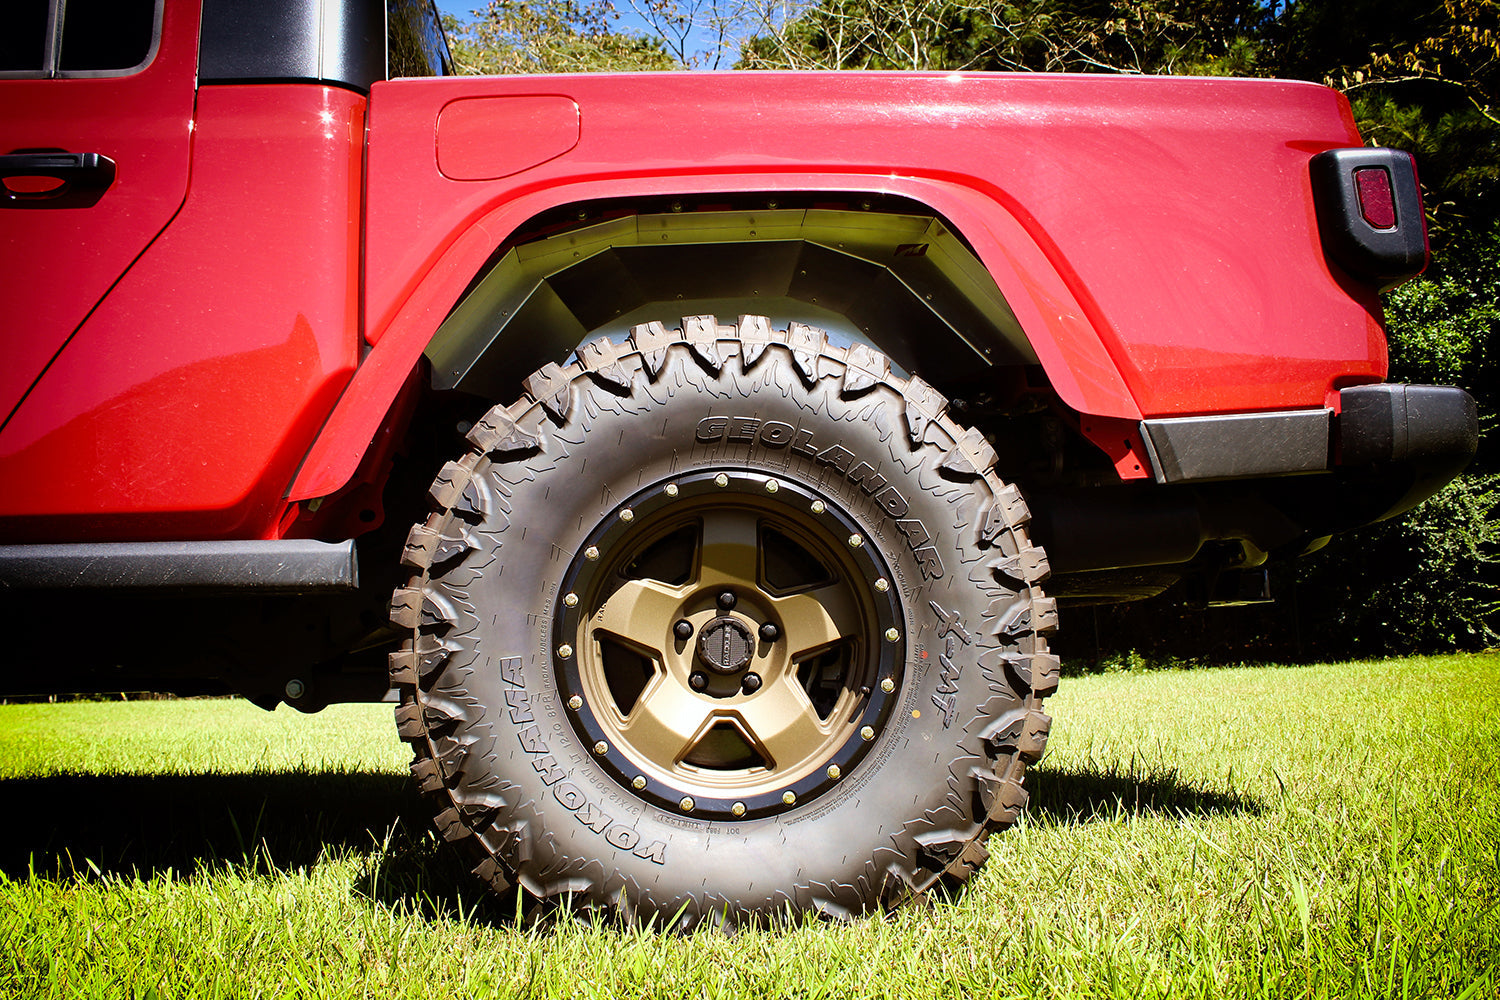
(601, 748)
(887, 685)
(834, 772)
(639, 782)
(772, 486)
(891, 635)
(671, 490)
(591, 553)
(855, 541)
(575, 703)
(627, 515)
(564, 651)
(571, 600)
(882, 585)
(738, 808)
(789, 797)
(867, 734)
(819, 506)
(686, 805)
(721, 480)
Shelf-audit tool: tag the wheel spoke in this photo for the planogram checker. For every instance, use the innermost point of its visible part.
(730, 554)
(666, 721)
(818, 618)
(642, 612)
(784, 723)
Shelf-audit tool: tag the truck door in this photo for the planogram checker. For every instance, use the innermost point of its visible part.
(96, 112)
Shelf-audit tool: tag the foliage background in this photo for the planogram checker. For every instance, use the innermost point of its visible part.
(1421, 75)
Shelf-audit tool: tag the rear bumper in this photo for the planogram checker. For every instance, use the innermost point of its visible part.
(1274, 481)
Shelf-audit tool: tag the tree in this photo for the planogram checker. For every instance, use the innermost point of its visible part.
(550, 36)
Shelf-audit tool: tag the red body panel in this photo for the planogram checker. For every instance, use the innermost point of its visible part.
(58, 262)
(184, 405)
(1155, 236)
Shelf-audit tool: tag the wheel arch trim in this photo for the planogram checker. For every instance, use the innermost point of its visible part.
(1058, 317)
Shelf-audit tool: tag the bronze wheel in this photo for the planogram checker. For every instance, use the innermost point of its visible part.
(734, 644)
(723, 623)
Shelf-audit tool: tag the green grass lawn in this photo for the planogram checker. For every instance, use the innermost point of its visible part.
(1287, 832)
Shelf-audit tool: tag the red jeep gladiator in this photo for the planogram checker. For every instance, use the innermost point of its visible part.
(679, 451)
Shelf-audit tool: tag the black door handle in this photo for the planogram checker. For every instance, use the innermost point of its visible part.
(82, 179)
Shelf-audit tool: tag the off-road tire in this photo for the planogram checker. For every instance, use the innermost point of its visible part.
(520, 753)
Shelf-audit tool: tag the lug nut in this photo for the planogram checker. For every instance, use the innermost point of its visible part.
(750, 684)
(683, 629)
(698, 680)
(769, 632)
(727, 600)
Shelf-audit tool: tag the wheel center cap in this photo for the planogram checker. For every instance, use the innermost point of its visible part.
(725, 644)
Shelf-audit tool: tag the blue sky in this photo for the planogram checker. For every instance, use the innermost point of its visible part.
(462, 9)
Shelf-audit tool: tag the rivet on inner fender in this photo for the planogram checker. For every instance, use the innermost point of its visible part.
(575, 703)
(789, 797)
(867, 734)
(601, 748)
(721, 480)
(834, 772)
(571, 600)
(686, 805)
(892, 635)
(564, 651)
(887, 685)
(627, 515)
(738, 808)
(639, 782)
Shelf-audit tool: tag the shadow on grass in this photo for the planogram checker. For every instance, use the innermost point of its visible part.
(1102, 792)
(96, 826)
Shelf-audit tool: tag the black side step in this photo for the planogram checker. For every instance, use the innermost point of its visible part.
(281, 566)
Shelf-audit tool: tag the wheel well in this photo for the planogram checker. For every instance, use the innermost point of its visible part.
(879, 270)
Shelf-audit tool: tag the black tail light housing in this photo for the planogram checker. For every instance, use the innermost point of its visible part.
(1370, 213)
